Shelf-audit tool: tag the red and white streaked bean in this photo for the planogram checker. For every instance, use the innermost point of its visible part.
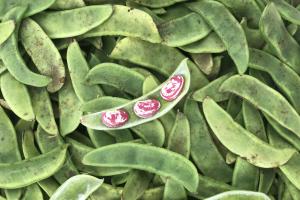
(172, 89)
(146, 108)
(114, 119)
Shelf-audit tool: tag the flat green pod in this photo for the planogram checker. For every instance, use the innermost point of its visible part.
(12, 59)
(204, 62)
(93, 120)
(126, 21)
(295, 193)
(173, 190)
(26, 172)
(183, 30)
(6, 29)
(33, 192)
(271, 102)
(34, 6)
(254, 36)
(150, 83)
(211, 163)
(119, 179)
(78, 69)
(240, 195)
(67, 4)
(266, 179)
(153, 194)
(118, 76)
(288, 11)
(102, 103)
(157, 3)
(45, 55)
(144, 157)
(234, 105)
(210, 44)
(100, 138)
(145, 54)
(74, 22)
(285, 78)
(43, 111)
(212, 90)
(227, 28)
(278, 38)
(17, 97)
(78, 187)
(69, 108)
(257, 152)
(107, 191)
(79, 150)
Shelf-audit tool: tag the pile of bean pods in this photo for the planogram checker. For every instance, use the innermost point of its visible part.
(149, 99)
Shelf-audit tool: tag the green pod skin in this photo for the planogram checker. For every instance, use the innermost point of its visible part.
(33, 192)
(148, 158)
(82, 138)
(66, 5)
(100, 138)
(251, 89)
(6, 29)
(183, 30)
(69, 108)
(45, 55)
(278, 38)
(157, 3)
(42, 108)
(48, 142)
(150, 83)
(145, 54)
(291, 188)
(26, 172)
(266, 180)
(234, 105)
(78, 69)
(287, 11)
(49, 185)
(210, 44)
(78, 187)
(12, 59)
(34, 6)
(118, 76)
(240, 194)
(212, 90)
(93, 120)
(254, 37)
(211, 163)
(257, 152)
(204, 61)
(126, 21)
(119, 179)
(285, 78)
(70, 23)
(107, 191)
(137, 183)
(173, 190)
(17, 97)
(153, 194)
(227, 29)
(79, 150)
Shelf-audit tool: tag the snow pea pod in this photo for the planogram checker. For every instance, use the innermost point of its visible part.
(93, 120)
(42, 108)
(33, 192)
(183, 30)
(240, 194)
(153, 159)
(211, 163)
(139, 24)
(257, 152)
(78, 187)
(78, 69)
(228, 29)
(286, 78)
(70, 23)
(45, 55)
(118, 76)
(12, 59)
(210, 44)
(287, 11)
(157, 3)
(271, 102)
(13, 91)
(26, 172)
(6, 29)
(278, 38)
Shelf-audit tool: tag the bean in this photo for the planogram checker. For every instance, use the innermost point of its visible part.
(157, 3)
(183, 30)
(33, 192)
(13, 91)
(78, 69)
(6, 29)
(92, 120)
(26, 172)
(249, 195)
(74, 22)
(69, 4)
(174, 191)
(139, 24)
(287, 11)
(12, 59)
(291, 188)
(45, 56)
(212, 12)
(79, 186)
(107, 191)
(148, 158)
(118, 76)
(251, 90)
(254, 37)
(286, 48)
(257, 152)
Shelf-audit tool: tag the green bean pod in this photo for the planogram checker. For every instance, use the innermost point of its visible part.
(33, 192)
(157, 3)
(6, 29)
(240, 194)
